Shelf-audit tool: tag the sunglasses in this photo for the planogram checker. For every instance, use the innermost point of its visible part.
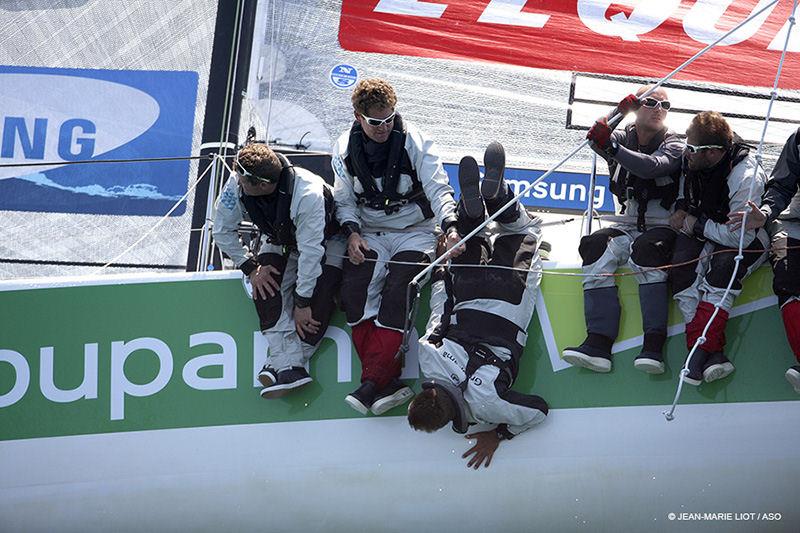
(652, 103)
(693, 149)
(379, 121)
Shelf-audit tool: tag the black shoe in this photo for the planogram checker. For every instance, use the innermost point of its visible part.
(696, 366)
(650, 362)
(362, 398)
(268, 376)
(288, 380)
(544, 250)
(717, 367)
(394, 394)
(471, 203)
(590, 356)
(793, 377)
(494, 164)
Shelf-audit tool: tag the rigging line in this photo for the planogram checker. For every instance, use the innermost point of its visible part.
(158, 223)
(641, 270)
(227, 109)
(94, 161)
(670, 414)
(585, 142)
(273, 59)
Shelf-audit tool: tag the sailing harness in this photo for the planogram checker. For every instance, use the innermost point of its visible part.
(479, 354)
(387, 199)
(627, 186)
(272, 213)
(706, 191)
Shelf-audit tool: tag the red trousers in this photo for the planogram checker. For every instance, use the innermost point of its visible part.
(377, 348)
(791, 321)
(715, 338)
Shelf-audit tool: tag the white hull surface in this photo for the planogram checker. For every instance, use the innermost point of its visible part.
(599, 469)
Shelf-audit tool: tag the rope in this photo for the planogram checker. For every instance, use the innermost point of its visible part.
(641, 270)
(273, 57)
(670, 414)
(93, 161)
(158, 223)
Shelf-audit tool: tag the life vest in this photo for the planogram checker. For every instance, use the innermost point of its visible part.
(706, 191)
(388, 199)
(272, 213)
(627, 186)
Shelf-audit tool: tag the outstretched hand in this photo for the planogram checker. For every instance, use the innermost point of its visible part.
(755, 218)
(485, 446)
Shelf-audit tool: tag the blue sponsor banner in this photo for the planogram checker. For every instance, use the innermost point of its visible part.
(560, 191)
(58, 116)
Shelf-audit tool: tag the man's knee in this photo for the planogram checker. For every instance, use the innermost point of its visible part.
(355, 284)
(393, 296)
(653, 248)
(593, 246)
(786, 268)
(269, 310)
(323, 300)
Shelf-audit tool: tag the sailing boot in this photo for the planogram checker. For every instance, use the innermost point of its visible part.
(544, 250)
(362, 398)
(268, 376)
(651, 359)
(717, 367)
(793, 377)
(287, 380)
(654, 303)
(696, 365)
(470, 209)
(494, 189)
(394, 394)
(601, 309)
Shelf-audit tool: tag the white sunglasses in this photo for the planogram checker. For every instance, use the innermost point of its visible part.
(693, 149)
(379, 121)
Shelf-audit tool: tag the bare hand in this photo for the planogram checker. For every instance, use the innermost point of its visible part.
(304, 322)
(688, 225)
(676, 219)
(264, 282)
(486, 445)
(450, 241)
(755, 218)
(356, 246)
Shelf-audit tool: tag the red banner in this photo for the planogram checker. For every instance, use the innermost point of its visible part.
(638, 38)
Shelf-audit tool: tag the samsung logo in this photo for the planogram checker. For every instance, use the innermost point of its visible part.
(63, 118)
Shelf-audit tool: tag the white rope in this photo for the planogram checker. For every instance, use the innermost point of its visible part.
(670, 414)
(273, 59)
(159, 222)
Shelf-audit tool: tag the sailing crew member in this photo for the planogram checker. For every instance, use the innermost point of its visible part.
(391, 191)
(780, 214)
(477, 330)
(297, 270)
(644, 161)
(718, 170)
